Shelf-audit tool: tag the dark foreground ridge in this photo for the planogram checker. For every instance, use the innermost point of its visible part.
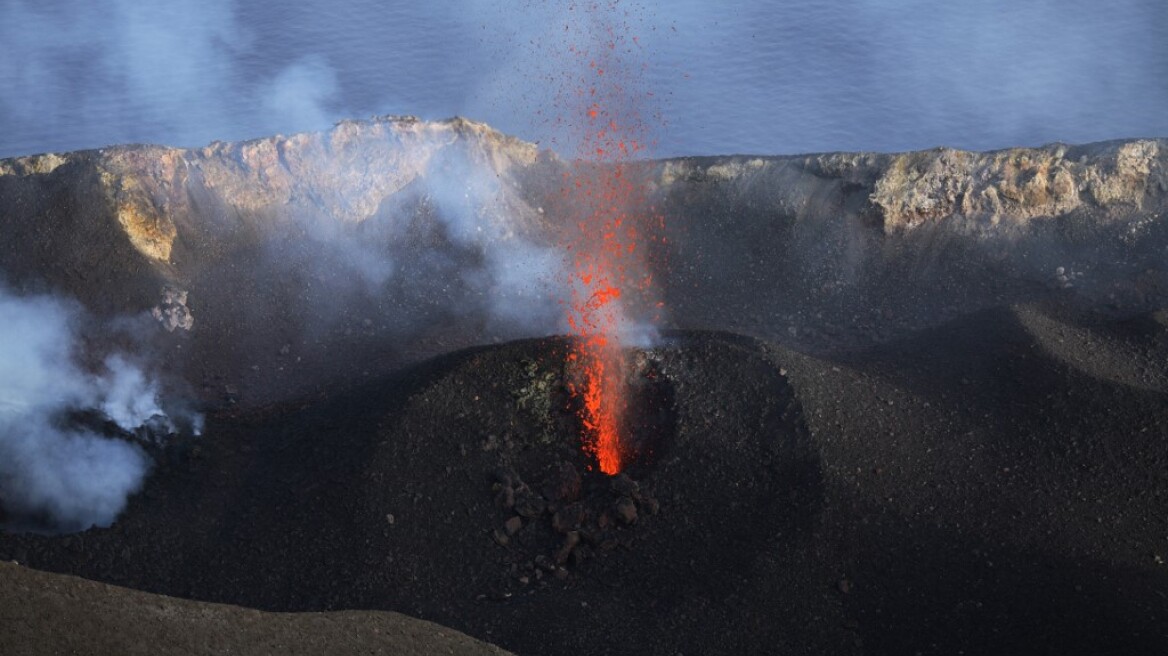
(910, 403)
(46, 614)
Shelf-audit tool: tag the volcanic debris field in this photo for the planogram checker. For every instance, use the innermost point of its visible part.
(899, 404)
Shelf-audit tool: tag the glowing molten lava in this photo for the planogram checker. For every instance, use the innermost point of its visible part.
(597, 312)
(604, 196)
(596, 317)
(603, 395)
(593, 65)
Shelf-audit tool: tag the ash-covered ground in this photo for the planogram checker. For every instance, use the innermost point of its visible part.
(901, 403)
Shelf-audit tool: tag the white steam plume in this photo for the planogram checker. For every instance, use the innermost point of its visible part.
(517, 281)
(55, 470)
(458, 245)
(297, 98)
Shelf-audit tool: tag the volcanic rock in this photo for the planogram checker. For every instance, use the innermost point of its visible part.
(506, 477)
(501, 538)
(512, 526)
(625, 510)
(563, 484)
(529, 506)
(623, 486)
(571, 540)
(569, 518)
(649, 504)
(172, 311)
(505, 497)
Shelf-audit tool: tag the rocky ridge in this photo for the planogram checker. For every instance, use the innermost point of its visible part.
(348, 172)
(845, 247)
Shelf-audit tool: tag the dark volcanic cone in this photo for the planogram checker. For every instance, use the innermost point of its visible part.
(459, 492)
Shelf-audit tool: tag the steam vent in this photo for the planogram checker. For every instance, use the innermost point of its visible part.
(862, 403)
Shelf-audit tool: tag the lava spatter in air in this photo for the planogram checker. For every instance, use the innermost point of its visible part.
(604, 193)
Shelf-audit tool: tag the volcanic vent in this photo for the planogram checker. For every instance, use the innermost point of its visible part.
(459, 492)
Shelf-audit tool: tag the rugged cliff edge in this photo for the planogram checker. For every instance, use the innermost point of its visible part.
(348, 172)
(828, 250)
(171, 204)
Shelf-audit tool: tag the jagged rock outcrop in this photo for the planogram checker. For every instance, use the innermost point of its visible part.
(349, 172)
(154, 193)
(1021, 184)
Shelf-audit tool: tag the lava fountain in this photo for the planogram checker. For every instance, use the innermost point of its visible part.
(606, 203)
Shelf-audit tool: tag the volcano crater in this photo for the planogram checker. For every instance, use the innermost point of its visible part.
(388, 497)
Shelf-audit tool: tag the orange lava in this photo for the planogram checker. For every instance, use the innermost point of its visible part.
(606, 200)
(589, 70)
(596, 312)
(603, 393)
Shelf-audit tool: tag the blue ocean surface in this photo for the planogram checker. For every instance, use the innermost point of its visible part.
(747, 76)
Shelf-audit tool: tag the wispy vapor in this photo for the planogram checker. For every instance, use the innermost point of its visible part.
(56, 470)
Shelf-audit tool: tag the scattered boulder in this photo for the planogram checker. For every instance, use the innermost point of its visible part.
(501, 538)
(504, 497)
(571, 540)
(650, 505)
(624, 486)
(569, 518)
(563, 484)
(529, 506)
(512, 526)
(626, 510)
(172, 311)
(574, 518)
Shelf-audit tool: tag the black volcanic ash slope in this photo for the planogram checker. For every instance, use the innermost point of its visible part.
(971, 488)
(49, 614)
(458, 493)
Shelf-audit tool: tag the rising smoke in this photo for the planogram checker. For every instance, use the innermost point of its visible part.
(457, 245)
(57, 471)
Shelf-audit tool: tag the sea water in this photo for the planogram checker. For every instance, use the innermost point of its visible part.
(749, 76)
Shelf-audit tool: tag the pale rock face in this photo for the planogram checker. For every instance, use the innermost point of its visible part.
(33, 165)
(1017, 185)
(172, 311)
(147, 230)
(351, 171)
